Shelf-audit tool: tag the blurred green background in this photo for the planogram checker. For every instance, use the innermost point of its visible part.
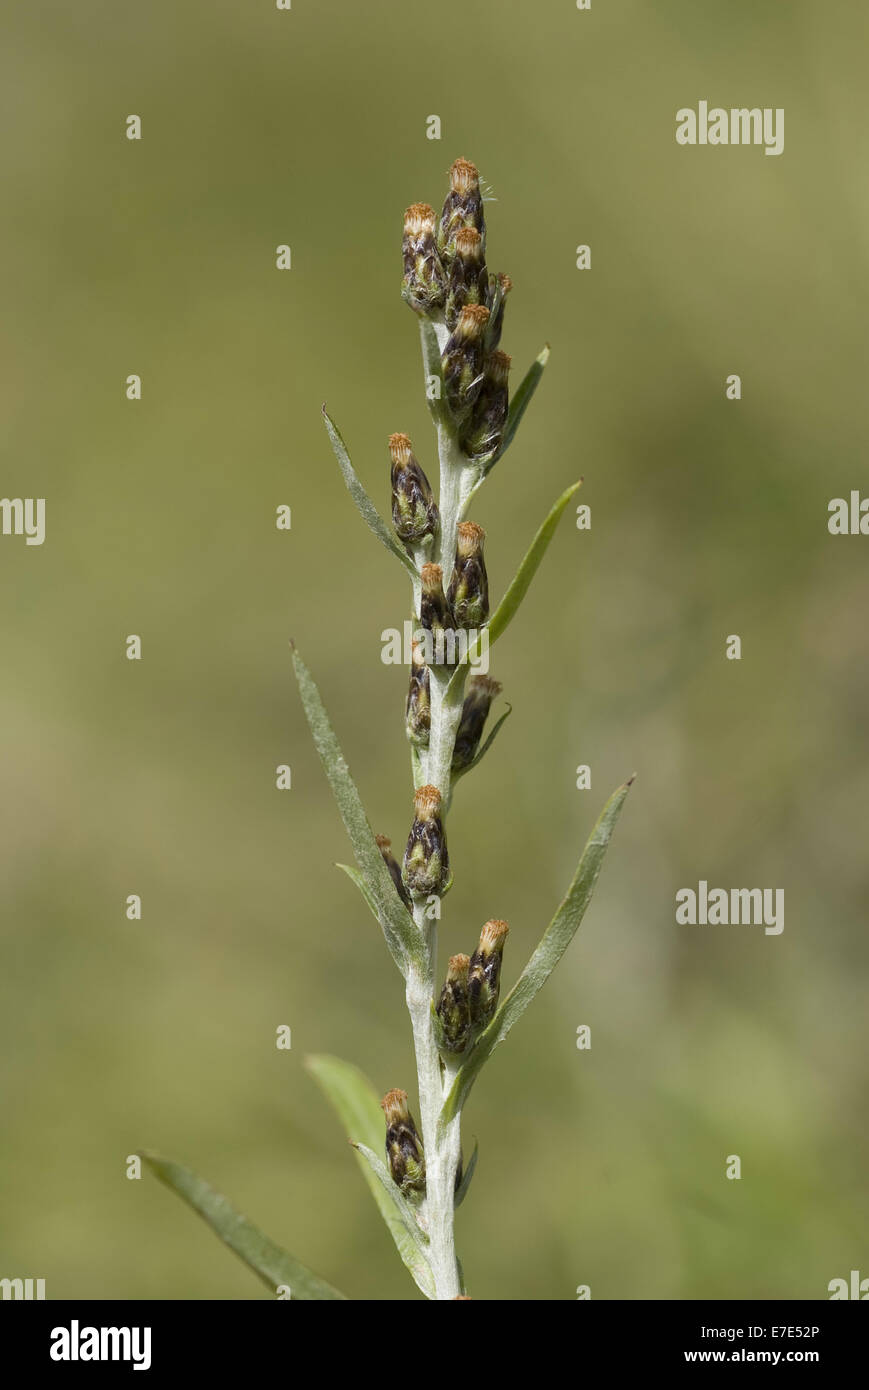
(708, 518)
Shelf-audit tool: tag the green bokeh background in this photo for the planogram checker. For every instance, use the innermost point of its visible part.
(708, 518)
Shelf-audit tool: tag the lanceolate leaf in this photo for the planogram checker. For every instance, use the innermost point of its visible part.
(401, 1204)
(465, 1183)
(357, 878)
(522, 397)
(494, 311)
(369, 512)
(416, 767)
(273, 1265)
(399, 928)
(553, 944)
(484, 748)
(358, 1108)
(509, 605)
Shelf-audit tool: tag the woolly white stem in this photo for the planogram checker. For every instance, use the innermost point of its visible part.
(441, 1153)
(442, 1150)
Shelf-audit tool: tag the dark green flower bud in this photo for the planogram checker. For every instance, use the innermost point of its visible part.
(481, 691)
(426, 867)
(484, 974)
(463, 208)
(468, 282)
(424, 283)
(468, 594)
(435, 615)
(499, 286)
(453, 1014)
(462, 361)
(417, 712)
(485, 430)
(414, 510)
(404, 1151)
(384, 844)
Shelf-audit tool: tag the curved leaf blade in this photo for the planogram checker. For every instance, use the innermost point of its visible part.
(484, 748)
(465, 1183)
(273, 1265)
(366, 507)
(355, 877)
(357, 1106)
(551, 948)
(509, 605)
(400, 930)
(400, 1202)
(521, 398)
(416, 767)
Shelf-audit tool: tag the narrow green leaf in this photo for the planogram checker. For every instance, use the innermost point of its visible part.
(483, 750)
(357, 878)
(467, 1175)
(553, 944)
(358, 1108)
(369, 512)
(272, 1264)
(509, 605)
(521, 398)
(400, 930)
(416, 767)
(399, 1201)
(494, 310)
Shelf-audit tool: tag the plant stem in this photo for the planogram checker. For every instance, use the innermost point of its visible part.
(442, 1150)
(458, 482)
(445, 715)
(451, 469)
(441, 1156)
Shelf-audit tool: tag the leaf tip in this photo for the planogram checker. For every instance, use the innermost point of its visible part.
(156, 1162)
(543, 355)
(631, 780)
(310, 1062)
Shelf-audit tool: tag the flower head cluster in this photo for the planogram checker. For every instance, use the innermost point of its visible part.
(446, 279)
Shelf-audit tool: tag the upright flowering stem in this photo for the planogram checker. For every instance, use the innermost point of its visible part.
(457, 483)
(434, 1081)
(459, 1021)
(442, 1150)
(447, 284)
(442, 1153)
(453, 494)
(446, 711)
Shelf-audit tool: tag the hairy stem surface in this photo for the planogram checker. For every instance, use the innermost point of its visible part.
(441, 1153)
(442, 1149)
